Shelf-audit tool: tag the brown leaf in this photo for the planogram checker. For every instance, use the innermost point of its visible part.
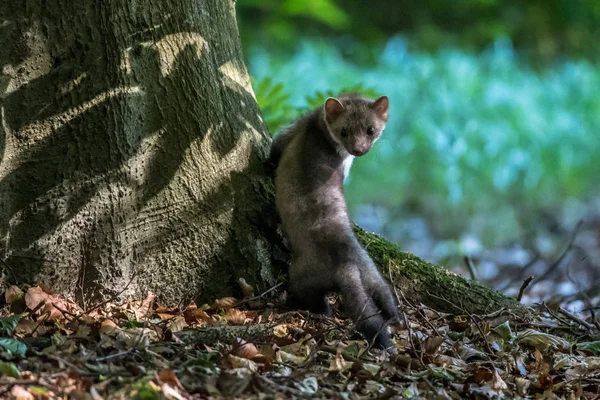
(83, 331)
(13, 294)
(338, 363)
(224, 303)
(522, 385)
(482, 375)
(18, 392)
(280, 331)
(467, 352)
(145, 307)
(235, 316)
(108, 327)
(444, 361)
(27, 326)
(168, 376)
(195, 315)
(164, 316)
(541, 340)
(498, 383)
(177, 324)
(245, 350)
(35, 296)
(459, 323)
(432, 343)
(544, 381)
(239, 362)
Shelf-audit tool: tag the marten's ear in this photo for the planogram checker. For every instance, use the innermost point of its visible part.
(333, 109)
(380, 106)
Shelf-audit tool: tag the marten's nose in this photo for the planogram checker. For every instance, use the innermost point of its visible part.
(360, 151)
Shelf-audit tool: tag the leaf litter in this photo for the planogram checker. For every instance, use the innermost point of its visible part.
(51, 348)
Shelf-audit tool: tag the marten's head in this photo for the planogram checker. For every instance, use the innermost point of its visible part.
(355, 123)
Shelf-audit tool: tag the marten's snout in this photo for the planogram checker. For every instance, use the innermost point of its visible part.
(359, 150)
(359, 146)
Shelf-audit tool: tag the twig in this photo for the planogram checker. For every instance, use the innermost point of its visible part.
(332, 350)
(112, 298)
(522, 271)
(471, 268)
(587, 300)
(65, 312)
(526, 283)
(67, 363)
(115, 355)
(260, 295)
(36, 308)
(575, 318)
(566, 251)
(566, 323)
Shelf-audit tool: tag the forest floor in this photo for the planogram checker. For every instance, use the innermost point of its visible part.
(255, 347)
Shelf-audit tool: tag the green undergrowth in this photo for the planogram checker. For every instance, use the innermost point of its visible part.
(475, 143)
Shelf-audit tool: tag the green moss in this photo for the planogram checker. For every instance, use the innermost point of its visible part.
(432, 285)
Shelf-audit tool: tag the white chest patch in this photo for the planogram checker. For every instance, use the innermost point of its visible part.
(347, 164)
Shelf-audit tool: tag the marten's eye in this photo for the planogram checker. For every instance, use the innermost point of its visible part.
(370, 131)
(344, 132)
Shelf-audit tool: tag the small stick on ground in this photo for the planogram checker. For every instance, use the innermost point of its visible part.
(575, 318)
(471, 268)
(112, 298)
(526, 283)
(559, 260)
(260, 295)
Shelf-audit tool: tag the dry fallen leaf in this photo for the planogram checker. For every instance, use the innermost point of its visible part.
(498, 383)
(522, 386)
(35, 296)
(192, 315)
(482, 375)
(239, 362)
(224, 303)
(168, 376)
(108, 327)
(18, 392)
(177, 324)
(245, 350)
(541, 340)
(432, 343)
(13, 294)
(235, 316)
(338, 363)
(280, 331)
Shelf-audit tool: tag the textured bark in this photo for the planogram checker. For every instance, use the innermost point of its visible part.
(131, 147)
(131, 152)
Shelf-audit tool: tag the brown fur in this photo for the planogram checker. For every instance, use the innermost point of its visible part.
(312, 158)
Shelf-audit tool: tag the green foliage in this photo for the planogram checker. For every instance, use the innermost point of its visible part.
(545, 29)
(592, 347)
(319, 98)
(275, 104)
(8, 324)
(9, 369)
(12, 347)
(144, 391)
(474, 141)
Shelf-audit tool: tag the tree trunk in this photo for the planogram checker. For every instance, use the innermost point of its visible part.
(132, 150)
(132, 146)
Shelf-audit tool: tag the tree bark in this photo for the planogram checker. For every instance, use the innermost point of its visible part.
(132, 159)
(132, 147)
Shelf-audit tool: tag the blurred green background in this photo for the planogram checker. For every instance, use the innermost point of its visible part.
(495, 108)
